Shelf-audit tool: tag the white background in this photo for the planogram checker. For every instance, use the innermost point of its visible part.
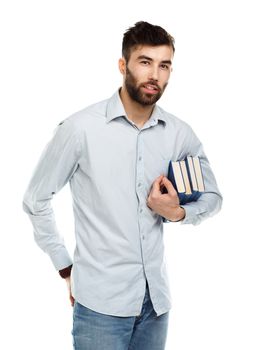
(57, 57)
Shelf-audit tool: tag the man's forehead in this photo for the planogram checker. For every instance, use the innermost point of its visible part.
(163, 51)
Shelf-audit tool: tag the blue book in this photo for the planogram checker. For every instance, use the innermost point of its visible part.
(187, 178)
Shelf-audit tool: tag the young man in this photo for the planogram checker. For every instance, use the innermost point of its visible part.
(115, 154)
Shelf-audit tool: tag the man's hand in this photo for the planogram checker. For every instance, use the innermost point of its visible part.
(68, 281)
(167, 204)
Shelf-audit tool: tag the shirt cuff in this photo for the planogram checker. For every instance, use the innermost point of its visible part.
(61, 259)
(192, 213)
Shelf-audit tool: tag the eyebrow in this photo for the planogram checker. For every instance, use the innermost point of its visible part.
(150, 59)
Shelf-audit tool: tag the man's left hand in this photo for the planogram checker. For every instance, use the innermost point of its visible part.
(167, 204)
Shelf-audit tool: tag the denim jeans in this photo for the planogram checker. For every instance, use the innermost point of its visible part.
(96, 331)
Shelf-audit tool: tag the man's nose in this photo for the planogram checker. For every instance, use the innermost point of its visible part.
(154, 74)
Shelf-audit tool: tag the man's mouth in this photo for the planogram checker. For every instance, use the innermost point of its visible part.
(150, 88)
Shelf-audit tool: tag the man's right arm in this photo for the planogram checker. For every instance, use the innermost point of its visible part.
(57, 164)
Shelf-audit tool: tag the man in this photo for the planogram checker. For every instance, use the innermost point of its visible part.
(115, 155)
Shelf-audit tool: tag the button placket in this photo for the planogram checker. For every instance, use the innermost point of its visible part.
(140, 183)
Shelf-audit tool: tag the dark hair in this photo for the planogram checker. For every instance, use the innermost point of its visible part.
(144, 33)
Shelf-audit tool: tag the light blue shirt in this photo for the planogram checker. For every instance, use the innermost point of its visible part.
(110, 165)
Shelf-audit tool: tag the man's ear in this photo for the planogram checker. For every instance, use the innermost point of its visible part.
(122, 65)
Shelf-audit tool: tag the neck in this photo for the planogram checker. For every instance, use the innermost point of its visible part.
(136, 112)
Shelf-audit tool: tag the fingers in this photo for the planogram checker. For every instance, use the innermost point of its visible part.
(157, 184)
(170, 188)
(160, 182)
(72, 300)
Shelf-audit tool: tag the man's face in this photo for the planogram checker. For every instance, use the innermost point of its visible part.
(147, 73)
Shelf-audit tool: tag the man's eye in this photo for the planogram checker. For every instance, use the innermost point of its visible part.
(164, 66)
(145, 62)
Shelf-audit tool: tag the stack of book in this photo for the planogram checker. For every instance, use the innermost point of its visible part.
(187, 178)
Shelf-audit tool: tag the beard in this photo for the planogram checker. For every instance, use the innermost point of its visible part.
(135, 92)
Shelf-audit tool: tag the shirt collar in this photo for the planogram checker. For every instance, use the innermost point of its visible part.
(116, 109)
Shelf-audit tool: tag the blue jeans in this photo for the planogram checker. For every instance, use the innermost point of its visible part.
(96, 331)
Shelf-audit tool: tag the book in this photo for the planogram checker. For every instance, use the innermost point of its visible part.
(187, 178)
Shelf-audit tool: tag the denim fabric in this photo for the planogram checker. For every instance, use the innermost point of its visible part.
(96, 331)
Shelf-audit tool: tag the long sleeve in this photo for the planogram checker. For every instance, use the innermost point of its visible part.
(211, 200)
(56, 166)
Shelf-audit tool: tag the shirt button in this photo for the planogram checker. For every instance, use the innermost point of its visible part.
(139, 184)
(143, 237)
(139, 158)
(141, 210)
